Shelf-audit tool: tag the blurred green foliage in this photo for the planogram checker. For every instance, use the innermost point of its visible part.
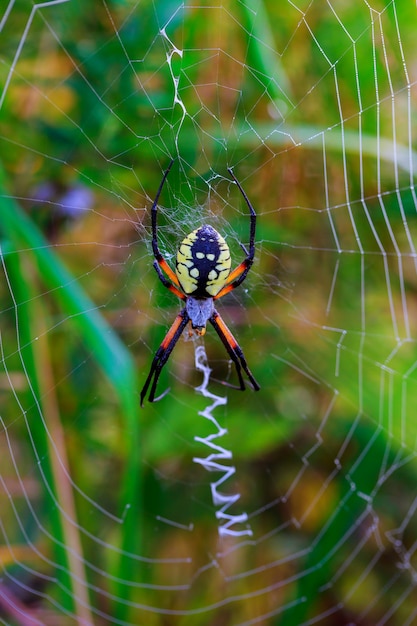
(90, 106)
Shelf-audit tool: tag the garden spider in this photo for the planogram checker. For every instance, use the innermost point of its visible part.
(202, 275)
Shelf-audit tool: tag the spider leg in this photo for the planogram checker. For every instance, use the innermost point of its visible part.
(166, 282)
(238, 275)
(163, 353)
(252, 215)
(155, 247)
(235, 278)
(234, 350)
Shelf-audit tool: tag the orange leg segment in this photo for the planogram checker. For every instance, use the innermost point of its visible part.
(162, 354)
(234, 350)
(235, 278)
(158, 264)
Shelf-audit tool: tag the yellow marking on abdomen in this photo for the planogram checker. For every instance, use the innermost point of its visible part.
(219, 273)
(203, 263)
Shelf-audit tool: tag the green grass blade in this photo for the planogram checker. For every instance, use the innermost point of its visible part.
(263, 55)
(108, 351)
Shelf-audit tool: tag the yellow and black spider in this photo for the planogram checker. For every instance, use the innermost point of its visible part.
(202, 275)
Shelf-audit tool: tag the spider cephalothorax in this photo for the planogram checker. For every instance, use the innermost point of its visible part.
(202, 275)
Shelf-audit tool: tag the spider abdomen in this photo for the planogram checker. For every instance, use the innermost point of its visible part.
(203, 263)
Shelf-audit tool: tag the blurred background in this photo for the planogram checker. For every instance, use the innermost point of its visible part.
(105, 515)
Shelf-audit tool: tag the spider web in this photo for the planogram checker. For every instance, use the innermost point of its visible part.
(110, 514)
